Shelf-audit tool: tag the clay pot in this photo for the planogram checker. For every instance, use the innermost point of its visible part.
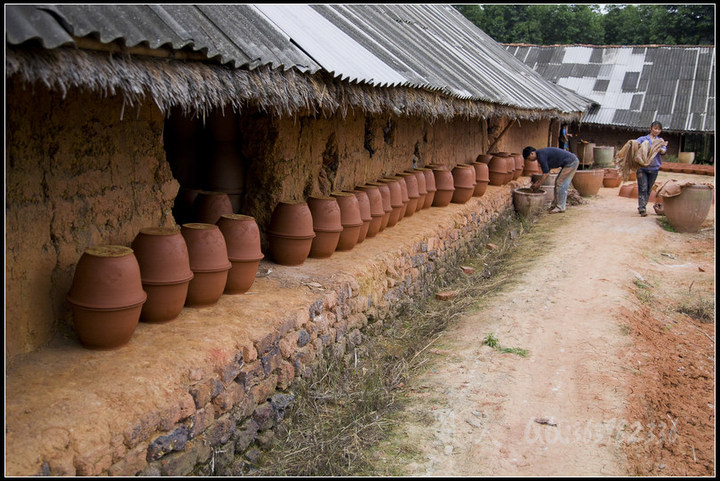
(634, 191)
(531, 167)
(686, 212)
(519, 165)
(326, 224)
(386, 203)
(209, 206)
(482, 178)
(350, 219)
(405, 196)
(242, 238)
(413, 192)
(445, 184)
(510, 165)
(208, 261)
(527, 202)
(377, 213)
(588, 182)
(396, 200)
(164, 262)
(226, 170)
(625, 190)
(106, 297)
(612, 178)
(497, 170)
(484, 158)
(365, 215)
(549, 180)
(464, 183)
(429, 186)
(290, 233)
(632, 176)
(422, 188)
(223, 125)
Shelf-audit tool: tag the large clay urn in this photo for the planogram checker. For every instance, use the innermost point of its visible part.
(588, 182)
(497, 170)
(430, 186)
(413, 192)
(405, 196)
(209, 206)
(396, 200)
(625, 190)
(106, 296)
(350, 218)
(208, 261)
(687, 211)
(164, 262)
(242, 238)
(510, 165)
(611, 178)
(365, 215)
(386, 202)
(377, 213)
(464, 183)
(290, 233)
(422, 188)
(482, 178)
(519, 165)
(445, 187)
(531, 167)
(326, 224)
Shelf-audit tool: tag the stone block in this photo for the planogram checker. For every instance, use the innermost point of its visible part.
(201, 420)
(285, 374)
(289, 344)
(221, 431)
(162, 445)
(264, 388)
(250, 374)
(133, 463)
(264, 416)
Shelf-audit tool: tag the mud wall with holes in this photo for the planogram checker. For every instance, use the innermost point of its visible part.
(88, 170)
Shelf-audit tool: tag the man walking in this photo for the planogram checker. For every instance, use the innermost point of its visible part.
(551, 158)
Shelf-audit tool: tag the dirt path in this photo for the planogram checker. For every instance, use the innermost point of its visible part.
(559, 411)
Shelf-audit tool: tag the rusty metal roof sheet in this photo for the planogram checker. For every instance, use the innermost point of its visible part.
(672, 84)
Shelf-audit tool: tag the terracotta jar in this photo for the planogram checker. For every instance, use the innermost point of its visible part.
(625, 190)
(413, 192)
(376, 208)
(106, 296)
(164, 262)
(531, 167)
(611, 178)
(290, 233)
(510, 164)
(527, 202)
(326, 224)
(445, 185)
(405, 196)
(588, 182)
(484, 158)
(208, 261)
(350, 219)
(482, 178)
(386, 202)
(422, 188)
(365, 215)
(242, 238)
(497, 170)
(396, 200)
(519, 165)
(430, 186)
(209, 206)
(687, 211)
(634, 191)
(464, 183)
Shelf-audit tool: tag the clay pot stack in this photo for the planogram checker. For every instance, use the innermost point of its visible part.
(106, 297)
(208, 261)
(242, 238)
(164, 262)
(290, 233)
(327, 226)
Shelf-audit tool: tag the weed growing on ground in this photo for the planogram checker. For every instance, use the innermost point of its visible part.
(665, 224)
(347, 404)
(699, 308)
(492, 341)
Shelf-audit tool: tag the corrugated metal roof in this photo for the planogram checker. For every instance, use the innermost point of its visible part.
(420, 46)
(674, 83)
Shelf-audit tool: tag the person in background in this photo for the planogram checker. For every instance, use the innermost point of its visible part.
(551, 158)
(563, 141)
(646, 175)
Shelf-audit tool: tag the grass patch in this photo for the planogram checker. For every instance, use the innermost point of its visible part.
(665, 224)
(353, 401)
(701, 309)
(492, 341)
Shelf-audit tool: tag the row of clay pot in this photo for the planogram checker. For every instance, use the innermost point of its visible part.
(631, 191)
(321, 225)
(682, 168)
(506, 166)
(164, 270)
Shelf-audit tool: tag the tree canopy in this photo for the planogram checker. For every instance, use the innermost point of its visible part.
(618, 24)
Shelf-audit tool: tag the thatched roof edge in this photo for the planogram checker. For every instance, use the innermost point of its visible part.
(197, 87)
